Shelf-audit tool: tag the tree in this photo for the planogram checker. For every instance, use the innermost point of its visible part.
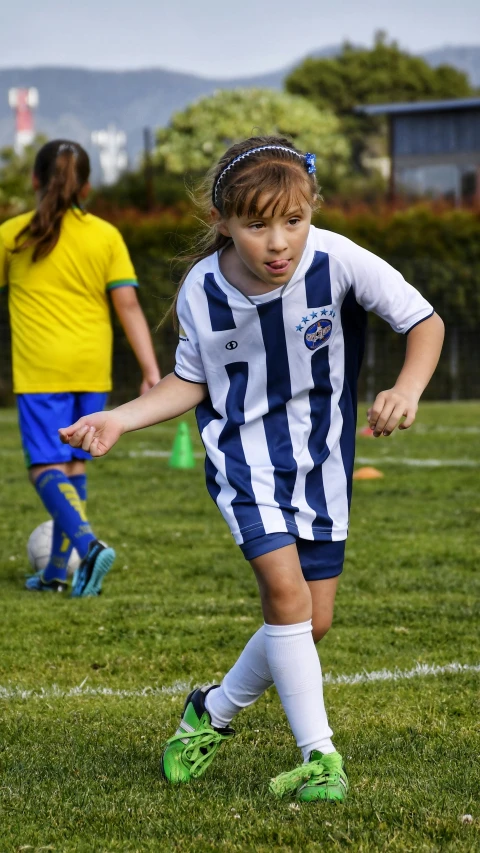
(382, 74)
(16, 191)
(198, 136)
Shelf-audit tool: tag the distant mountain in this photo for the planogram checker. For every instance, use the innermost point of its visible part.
(75, 101)
(466, 59)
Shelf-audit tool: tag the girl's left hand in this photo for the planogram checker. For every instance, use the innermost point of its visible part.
(388, 410)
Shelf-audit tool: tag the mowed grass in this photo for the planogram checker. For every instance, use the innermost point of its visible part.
(80, 773)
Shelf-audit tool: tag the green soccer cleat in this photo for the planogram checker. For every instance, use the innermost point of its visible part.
(195, 743)
(322, 778)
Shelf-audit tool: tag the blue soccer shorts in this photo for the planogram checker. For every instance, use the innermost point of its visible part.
(41, 415)
(320, 559)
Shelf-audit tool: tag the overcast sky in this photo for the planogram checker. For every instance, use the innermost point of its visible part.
(218, 37)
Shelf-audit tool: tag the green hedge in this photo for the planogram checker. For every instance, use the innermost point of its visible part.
(439, 253)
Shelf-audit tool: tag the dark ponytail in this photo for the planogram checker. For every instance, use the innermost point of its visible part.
(61, 168)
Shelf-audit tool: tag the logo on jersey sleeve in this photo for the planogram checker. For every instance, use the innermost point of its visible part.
(319, 332)
(182, 333)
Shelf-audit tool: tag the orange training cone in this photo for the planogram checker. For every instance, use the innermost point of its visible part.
(182, 452)
(366, 432)
(367, 473)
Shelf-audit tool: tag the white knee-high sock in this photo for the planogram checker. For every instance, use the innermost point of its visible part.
(297, 674)
(298, 681)
(243, 684)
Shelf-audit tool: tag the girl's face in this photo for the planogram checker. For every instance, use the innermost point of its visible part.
(270, 246)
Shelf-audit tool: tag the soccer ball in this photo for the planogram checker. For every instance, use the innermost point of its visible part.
(39, 547)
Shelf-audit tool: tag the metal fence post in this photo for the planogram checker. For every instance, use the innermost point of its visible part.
(370, 364)
(453, 363)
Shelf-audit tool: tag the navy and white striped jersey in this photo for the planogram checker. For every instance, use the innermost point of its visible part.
(281, 369)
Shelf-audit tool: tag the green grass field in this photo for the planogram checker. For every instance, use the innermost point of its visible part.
(90, 689)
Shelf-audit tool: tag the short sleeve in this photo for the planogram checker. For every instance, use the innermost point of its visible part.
(189, 363)
(380, 288)
(3, 264)
(120, 271)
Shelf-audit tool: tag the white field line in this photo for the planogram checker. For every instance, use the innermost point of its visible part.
(418, 463)
(440, 429)
(361, 460)
(420, 670)
(435, 429)
(132, 454)
(155, 454)
(55, 692)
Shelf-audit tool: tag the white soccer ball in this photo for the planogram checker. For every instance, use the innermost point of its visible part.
(39, 547)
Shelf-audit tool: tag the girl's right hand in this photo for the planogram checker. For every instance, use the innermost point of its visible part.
(95, 433)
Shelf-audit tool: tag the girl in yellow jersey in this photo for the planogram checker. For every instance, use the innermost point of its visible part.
(61, 266)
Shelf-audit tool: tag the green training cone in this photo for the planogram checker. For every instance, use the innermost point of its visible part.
(182, 452)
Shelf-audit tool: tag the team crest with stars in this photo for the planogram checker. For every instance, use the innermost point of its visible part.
(317, 333)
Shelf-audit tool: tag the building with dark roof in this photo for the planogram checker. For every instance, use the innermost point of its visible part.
(434, 148)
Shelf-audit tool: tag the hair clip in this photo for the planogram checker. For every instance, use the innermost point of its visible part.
(310, 163)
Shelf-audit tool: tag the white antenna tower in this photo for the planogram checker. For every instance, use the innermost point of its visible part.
(113, 157)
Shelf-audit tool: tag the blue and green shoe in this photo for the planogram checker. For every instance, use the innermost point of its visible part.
(89, 576)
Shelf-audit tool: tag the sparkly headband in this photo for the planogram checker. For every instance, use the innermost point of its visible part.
(308, 161)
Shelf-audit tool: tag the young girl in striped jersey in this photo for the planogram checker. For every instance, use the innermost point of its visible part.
(272, 323)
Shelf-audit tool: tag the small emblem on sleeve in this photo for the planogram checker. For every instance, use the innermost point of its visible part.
(182, 334)
(231, 345)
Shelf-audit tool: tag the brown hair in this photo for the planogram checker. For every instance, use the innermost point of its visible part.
(275, 176)
(61, 168)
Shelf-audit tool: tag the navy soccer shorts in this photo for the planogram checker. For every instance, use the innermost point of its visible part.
(319, 559)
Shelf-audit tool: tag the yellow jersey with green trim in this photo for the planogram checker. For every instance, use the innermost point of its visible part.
(59, 307)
